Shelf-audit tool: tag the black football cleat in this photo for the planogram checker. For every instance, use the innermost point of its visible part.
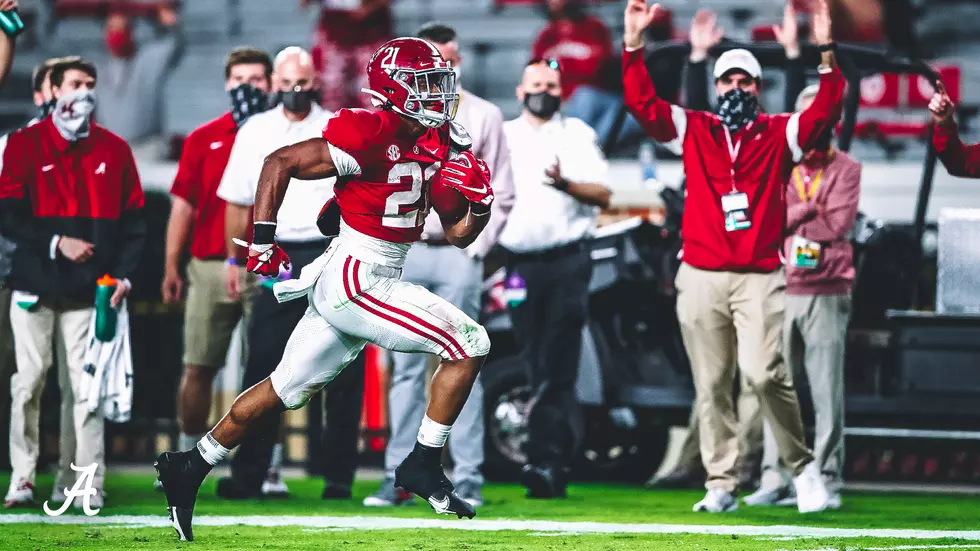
(422, 475)
(180, 484)
(544, 482)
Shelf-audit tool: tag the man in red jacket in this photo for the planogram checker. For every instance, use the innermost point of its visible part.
(731, 286)
(959, 160)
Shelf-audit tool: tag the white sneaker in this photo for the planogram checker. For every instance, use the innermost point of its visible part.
(769, 495)
(97, 501)
(811, 491)
(19, 495)
(274, 485)
(717, 500)
(834, 502)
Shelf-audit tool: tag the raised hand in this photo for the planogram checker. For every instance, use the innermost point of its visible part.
(704, 34)
(788, 34)
(820, 21)
(636, 19)
(941, 107)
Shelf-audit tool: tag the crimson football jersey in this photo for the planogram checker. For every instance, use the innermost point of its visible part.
(383, 174)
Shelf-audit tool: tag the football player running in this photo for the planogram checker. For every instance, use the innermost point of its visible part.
(384, 162)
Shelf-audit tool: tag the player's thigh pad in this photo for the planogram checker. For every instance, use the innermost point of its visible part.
(361, 300)
(314, 355)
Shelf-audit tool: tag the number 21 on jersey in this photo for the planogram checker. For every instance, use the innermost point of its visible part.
(413, 218)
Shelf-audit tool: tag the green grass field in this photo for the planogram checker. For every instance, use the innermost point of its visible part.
(134, 514)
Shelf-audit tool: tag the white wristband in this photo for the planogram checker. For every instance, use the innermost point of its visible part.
(53, 248)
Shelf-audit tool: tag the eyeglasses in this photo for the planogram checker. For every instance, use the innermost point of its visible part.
(549, 61)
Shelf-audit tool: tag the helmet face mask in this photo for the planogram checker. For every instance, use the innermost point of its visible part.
(410, 77)
(432, 99)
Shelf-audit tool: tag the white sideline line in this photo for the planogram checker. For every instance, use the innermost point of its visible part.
(896, 548)
(389, 523)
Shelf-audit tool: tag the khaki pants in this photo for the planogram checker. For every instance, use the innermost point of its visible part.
(815, 338)
(750, 441)
(210, 315)
(716, 310)
(82, 436)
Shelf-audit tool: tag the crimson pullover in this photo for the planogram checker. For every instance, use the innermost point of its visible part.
(769, 148)
(89, 189)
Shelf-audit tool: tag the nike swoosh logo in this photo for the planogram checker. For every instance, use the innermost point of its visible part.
(432, 151)
(216, 145)
(46, 168)
(473, 189)
(441, 506)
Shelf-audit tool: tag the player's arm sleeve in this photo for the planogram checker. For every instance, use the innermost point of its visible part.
(664, 122)
(959, 159)
(132, 222)
(241, 176)
(805, 127)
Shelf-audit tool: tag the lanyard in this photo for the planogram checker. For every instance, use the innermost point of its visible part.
(733, 153)
(801, 190)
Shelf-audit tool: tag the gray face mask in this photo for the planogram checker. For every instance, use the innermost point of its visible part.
(73, 114)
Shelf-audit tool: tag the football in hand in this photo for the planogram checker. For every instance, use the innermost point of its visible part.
(451, 205)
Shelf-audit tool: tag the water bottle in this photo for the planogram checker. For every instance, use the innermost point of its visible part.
(105, 314)
(11, 23)
(648, 166)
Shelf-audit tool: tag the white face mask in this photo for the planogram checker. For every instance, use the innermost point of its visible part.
(459, 79)
(73, 114)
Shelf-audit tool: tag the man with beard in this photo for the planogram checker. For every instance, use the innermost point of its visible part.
(197, 217)
(298, 117)
(731, 284)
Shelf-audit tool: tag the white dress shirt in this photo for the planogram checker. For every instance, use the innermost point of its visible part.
(485, 124)
(257, 138)
(544, 217)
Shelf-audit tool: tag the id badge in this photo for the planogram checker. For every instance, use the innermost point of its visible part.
(805, 253)
(736, 208)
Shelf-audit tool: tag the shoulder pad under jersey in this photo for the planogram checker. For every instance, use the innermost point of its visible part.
(356, 129)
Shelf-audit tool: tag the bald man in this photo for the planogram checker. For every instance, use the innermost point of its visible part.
(296, 118)
(560, 179)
